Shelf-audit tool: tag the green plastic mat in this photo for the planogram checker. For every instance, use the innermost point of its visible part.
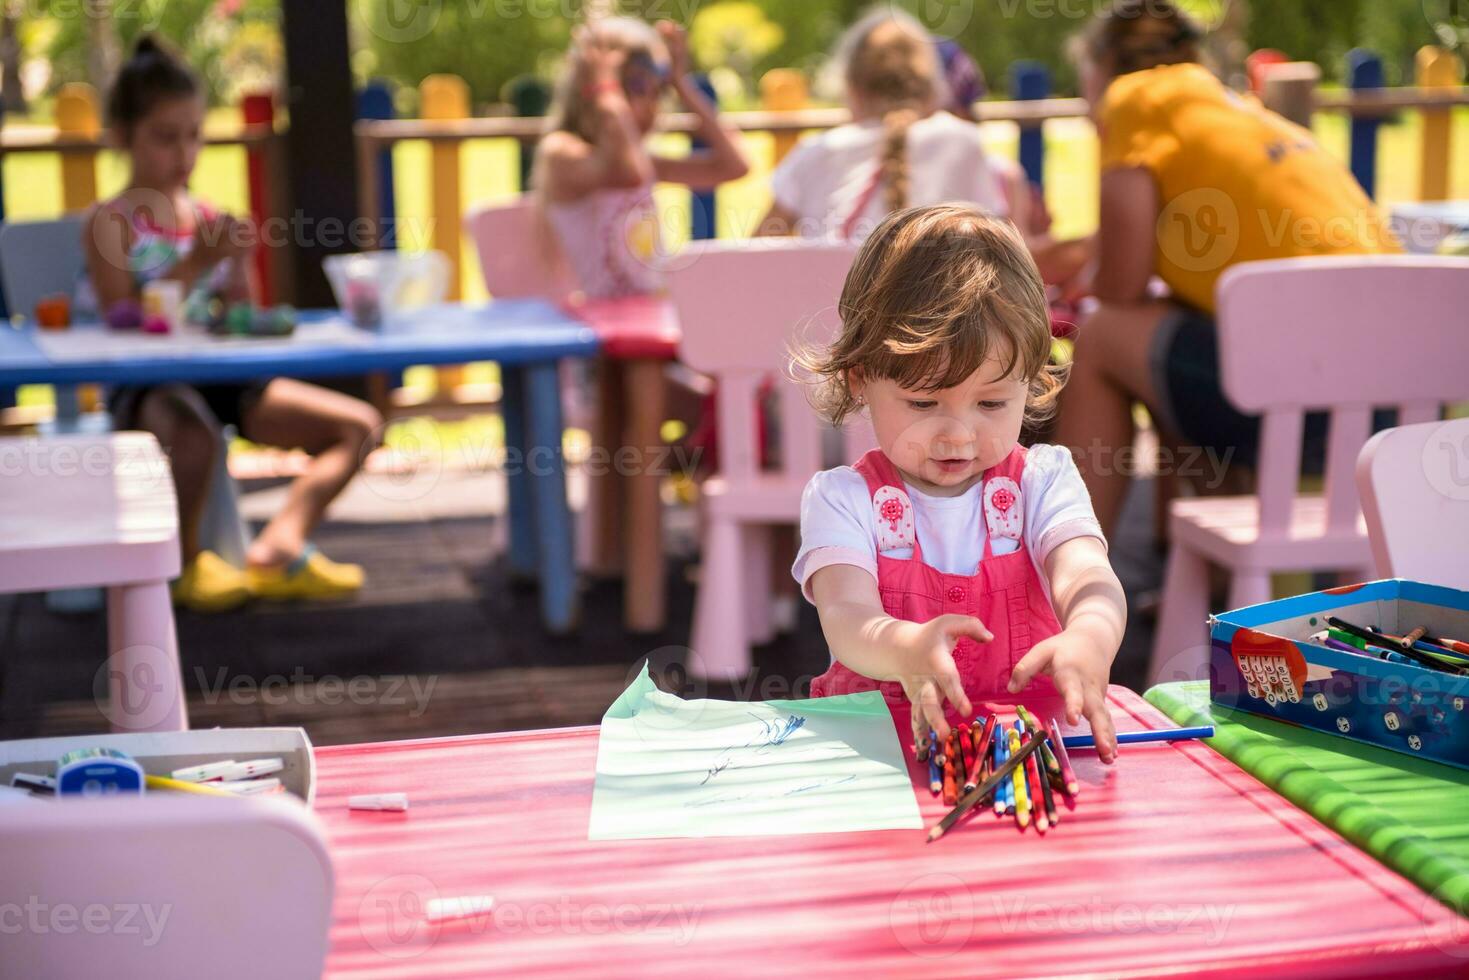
(1410, 814)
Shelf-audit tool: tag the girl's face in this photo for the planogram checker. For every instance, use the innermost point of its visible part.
(165, 143)
(943, 441)
(643, 82)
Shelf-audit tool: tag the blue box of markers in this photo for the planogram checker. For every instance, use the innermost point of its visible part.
(1262, 661)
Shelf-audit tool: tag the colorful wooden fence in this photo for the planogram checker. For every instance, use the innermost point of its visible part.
(446, 125)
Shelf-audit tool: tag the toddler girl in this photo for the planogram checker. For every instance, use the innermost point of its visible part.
(951, 563)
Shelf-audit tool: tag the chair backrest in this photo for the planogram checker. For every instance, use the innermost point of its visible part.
(517, 255)
(1414, 482)
(38, 258)
(1342, 334)
(741, 306)
(244, 886)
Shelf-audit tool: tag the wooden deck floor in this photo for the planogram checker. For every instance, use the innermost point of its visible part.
(438, 643)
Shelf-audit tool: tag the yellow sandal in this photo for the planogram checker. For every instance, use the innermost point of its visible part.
(311, 576)
(209, 584)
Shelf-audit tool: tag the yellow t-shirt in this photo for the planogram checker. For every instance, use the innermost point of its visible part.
(1236, 182)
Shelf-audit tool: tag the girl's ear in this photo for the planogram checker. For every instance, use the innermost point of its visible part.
(856, 382)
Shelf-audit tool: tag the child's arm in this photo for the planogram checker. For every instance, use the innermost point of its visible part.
(220, 237)
(575, 168)
(779, 220)
(1127, 232)
(920, 656)
(106, 241)
(1092, 608)
(723, 159)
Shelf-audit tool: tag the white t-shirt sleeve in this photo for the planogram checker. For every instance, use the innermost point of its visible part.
(1057, 504)
(790, 182)
(836, 525)
(986, 188)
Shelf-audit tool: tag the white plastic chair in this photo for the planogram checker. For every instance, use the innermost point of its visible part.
(1414, 482)
(741, 305)
(84, 511)
(1342, 334)
(166, 887)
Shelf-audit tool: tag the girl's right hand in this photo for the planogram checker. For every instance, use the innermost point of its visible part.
(929, 677)
(601, 60)
(223, 236)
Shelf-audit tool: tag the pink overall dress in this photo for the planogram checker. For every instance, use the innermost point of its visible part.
(1004, 592)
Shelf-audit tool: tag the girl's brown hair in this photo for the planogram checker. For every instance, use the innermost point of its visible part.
(932, 294)
(1133, 35)
(891, 64)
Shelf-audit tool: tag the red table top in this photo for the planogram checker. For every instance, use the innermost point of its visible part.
(1174, 861)
(632, 326)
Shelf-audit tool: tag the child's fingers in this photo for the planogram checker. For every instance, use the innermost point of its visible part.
(927, 704)
(1102, 731)
(953, 689)
(1037, 660)
(1069, 686)
(956, 626)
(920, 728)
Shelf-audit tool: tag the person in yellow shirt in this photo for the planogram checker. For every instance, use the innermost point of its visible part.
(1195, 178)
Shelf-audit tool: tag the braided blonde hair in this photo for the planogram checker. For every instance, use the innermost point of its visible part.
(891, 65)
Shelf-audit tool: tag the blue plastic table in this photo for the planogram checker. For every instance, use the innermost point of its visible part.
(526, 337)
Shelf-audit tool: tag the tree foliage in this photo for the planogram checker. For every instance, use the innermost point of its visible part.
(235, 43)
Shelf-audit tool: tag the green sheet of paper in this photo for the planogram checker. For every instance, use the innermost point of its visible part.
(667, 767)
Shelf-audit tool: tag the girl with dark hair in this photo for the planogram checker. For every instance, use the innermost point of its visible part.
(155, 229)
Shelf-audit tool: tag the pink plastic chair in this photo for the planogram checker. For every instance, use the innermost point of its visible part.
(82, 511)
(741, 305)
(1342, 334)
(516, 255)
(1414, 482)
(518, 260)
(186, 887)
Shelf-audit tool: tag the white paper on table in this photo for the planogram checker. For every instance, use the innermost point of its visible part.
(667, 767)
(96, 343)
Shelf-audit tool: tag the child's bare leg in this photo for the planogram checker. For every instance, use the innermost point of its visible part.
(1109, 372)
(338, 431)
(184, 426)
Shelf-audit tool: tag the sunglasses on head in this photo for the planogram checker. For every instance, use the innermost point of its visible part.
(644, 76)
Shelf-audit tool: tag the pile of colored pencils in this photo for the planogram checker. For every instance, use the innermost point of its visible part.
(1016, 768)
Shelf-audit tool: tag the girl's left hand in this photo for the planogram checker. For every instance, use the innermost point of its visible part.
(676, 39)
(1079, 666)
